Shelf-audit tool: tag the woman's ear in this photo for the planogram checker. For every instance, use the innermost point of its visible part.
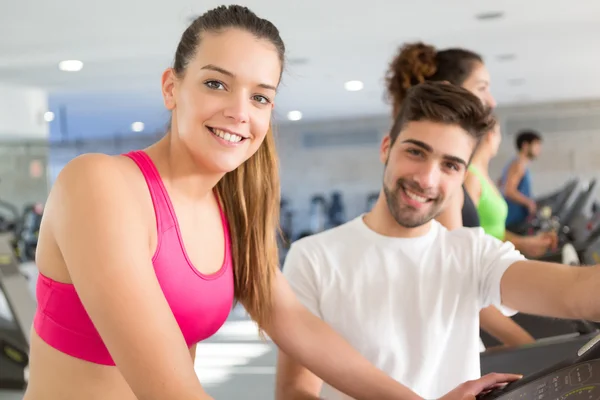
(168, 88)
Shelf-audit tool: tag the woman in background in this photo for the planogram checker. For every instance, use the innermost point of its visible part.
(491, 206)
(416, 63)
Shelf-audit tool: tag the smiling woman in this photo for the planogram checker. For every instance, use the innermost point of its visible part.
(142, 255)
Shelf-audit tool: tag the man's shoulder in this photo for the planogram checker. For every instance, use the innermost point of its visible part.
(470, 239)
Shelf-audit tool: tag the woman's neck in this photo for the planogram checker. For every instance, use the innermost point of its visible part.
(179, 170)
(481, 161)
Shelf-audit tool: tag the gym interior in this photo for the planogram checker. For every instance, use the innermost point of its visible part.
(85, 77)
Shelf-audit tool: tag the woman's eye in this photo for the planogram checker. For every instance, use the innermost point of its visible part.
(214, 85)
(261, 99)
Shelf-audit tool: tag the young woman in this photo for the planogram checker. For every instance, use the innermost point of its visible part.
(419, 62)
(491, 206)
(142, 255)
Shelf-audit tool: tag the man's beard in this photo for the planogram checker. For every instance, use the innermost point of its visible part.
(406, 215)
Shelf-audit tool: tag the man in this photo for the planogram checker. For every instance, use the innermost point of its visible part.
(403, 290)
(516, 179)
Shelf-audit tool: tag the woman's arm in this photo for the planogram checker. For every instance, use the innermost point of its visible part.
(473, 187)
(503, 328)
(103, 237)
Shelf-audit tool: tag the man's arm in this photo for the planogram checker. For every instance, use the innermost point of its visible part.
(552, 290)
(514, 175)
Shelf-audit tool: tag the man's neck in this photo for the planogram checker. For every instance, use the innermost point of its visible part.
(381, 221)
(523, 159)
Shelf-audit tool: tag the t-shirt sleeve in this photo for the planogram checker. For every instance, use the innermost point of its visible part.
(495, 257)
(301, 272)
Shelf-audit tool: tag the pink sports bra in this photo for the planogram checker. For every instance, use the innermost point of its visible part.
(200, 303)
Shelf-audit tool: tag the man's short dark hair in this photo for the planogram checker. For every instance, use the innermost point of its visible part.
(444, 103)
(527, 136)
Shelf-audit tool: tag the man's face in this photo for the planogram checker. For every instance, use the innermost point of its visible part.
(423, 168)
(533, 149)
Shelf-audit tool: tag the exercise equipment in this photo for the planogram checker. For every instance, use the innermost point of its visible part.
(27, 232)
(579, 227)
(14, 331)
(576, 376)
(337, 211)
(318, 214)
(551, 210)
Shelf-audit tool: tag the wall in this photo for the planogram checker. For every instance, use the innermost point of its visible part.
(17, 185)
(23, 133)
(318, 158)
(22, 112)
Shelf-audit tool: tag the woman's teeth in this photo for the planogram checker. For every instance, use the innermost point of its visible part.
(230, 137)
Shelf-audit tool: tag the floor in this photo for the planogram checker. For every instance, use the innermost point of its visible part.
(234, 364)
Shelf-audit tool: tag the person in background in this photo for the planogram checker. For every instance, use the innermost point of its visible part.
(419, 62)
(516, 179)
(492, 208)
(492, 211)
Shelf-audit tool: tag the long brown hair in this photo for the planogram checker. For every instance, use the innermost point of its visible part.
(250, 194)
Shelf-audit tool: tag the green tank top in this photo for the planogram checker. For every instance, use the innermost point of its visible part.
(492, 208)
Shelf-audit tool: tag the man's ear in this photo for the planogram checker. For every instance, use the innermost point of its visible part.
(384, 150)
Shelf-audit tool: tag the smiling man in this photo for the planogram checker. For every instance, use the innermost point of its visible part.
(403, 290)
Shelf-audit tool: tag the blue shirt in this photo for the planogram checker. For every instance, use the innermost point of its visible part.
(517, 212)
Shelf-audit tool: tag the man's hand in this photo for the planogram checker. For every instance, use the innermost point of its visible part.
(483, 385)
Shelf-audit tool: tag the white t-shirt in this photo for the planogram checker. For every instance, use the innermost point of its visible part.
(409, 305)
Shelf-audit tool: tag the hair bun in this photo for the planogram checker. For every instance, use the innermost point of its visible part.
(414, 63)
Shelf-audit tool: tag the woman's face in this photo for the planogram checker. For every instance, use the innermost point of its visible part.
(478, 83)
(222, 105)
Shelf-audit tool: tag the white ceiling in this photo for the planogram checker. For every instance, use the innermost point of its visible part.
(126, 44)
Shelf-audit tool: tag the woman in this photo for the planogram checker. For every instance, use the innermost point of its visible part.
(491, 206)
(142, 255)
(416, 63)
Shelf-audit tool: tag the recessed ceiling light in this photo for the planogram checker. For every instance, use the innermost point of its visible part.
(489, 15)
(294, 115)
(48, 116)
(137, 126)
(506, 57)
(353, 86)
(297, 61)
(516, 81)
(70, 65)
